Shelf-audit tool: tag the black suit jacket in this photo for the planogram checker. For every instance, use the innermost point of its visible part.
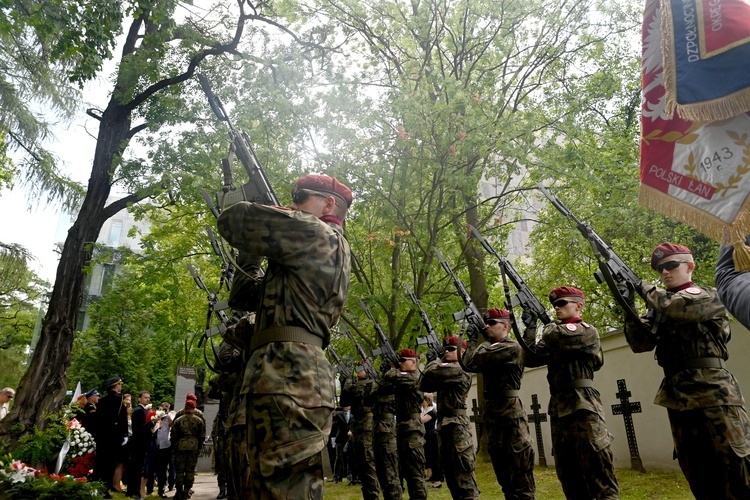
(342, 427)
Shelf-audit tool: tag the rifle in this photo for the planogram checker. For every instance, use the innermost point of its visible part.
(525, 298)
(369, 368)
(340, 366)
(612, 269)
(215, 306)
(385, 350)
(433, 344)
(227, 269)
(470, 314)
(258, 189)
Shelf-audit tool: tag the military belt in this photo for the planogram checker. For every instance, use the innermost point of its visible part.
(451, 412)
(385, 416)
(578, 383)
(691, 364)
(410, 416)
(510, 393)
(278, 333)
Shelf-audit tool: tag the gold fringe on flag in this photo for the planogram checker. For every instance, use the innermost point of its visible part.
(707, 111)
(728, 234)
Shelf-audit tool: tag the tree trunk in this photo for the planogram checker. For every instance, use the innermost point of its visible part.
(43, 386)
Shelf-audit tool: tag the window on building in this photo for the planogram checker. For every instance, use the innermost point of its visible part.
(114, 234)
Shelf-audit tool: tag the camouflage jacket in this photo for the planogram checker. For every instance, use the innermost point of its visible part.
(501, 366)
(689, 324)
(571, 351)
(188, 432)
(408, 397)
(733, 286)
(452, 385)
(360, 395)
(309, 264)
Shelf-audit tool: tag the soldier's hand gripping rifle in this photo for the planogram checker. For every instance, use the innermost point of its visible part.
(385, 350)
(369, 368)
(340, 366)
(431, 339)
(471, 313)
(258, 189)
(612, 269)
(525, 298)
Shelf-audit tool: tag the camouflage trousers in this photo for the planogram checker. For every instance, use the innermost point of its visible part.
(583, 456)
(458, 460)
(512, 455)
(184, 464)
(364, 456)
(220, 459)
(385, 448)
(289, 406)
(713, 448)
(411, 457)
(238, 485)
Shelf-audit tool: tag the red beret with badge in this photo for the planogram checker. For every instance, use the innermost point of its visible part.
(191, 397)
(452, 340)
(324, 184)
(666, 250)
(408, 354)
(562, 292)
(496, 313)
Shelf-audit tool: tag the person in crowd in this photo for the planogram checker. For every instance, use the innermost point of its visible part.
(360, 395)
(341, 466)
(500, 361)
(432, 462)
(410, 430)
(688, 327)
(123, 457)
(732, 286)
(162, 449)
(6, 395)
(188, 436)
(140, 443)
(571, 349)
(112, 430)
(304, 291)
(456, 445)
(89, 418)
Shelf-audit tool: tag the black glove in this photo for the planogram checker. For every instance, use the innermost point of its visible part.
(472, 332)
(431, 355)
(627, 291)
(342, 379)
(529, 319)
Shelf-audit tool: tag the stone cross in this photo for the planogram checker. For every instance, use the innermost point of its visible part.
(477, 419)
(538, 418)
(626, 409)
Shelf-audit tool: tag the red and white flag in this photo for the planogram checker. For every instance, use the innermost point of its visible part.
(695, 125)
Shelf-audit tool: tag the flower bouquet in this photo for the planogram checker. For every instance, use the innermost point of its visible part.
(21, 482)
(79, 459)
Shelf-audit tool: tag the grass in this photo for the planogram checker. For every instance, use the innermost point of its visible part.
(633, 486)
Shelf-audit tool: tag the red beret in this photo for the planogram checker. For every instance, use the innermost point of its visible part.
(191, 397)
(408, 353)
(190, 404)
(361, 365)
(325, 184)
(496, 313)
(565, 291)
(665, 250)
(452, 340)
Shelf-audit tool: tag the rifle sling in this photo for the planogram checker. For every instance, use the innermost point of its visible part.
(451, 412)
(278, 333)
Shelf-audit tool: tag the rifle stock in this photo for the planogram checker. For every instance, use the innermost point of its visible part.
(369, 368)
(385, 350)
(471, 313)
(340, 366)
(431, 339)
(215, 306)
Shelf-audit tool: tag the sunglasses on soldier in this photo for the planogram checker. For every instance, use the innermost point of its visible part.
(670, 265)
(561, 303)
(492, 322)
(450, 348)
(301, 195)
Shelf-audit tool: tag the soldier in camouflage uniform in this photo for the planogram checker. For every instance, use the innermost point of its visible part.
(360, 395)
(288, 385)
(457, 454)
(733, 286)
(384, 441)
(500, 361)
(689, 328)
(572, 352)
(188, 435)
(409, 429)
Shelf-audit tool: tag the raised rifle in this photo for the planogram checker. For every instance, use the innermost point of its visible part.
(369, 368)
(227, 268)
(340, 366)
(431, 339)
(258, 189)
(385, 350)
(612, 269)
(525, 298)
(470, 314)
(216, 307)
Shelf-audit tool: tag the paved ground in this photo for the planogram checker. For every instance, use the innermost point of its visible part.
(205, 488)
